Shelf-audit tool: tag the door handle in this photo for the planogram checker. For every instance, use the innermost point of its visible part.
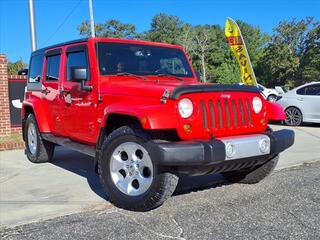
(300, 99)
(64, 92)
(45, 91)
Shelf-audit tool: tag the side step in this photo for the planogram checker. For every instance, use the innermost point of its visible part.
(66, 142)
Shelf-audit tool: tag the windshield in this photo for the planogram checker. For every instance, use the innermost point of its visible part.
(115, 58)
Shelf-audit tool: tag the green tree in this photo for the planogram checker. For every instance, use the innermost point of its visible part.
(292, 56)
(14, 67)
(165, 28)
(111, 28)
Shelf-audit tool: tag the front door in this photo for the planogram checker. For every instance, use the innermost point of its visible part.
(76, 103)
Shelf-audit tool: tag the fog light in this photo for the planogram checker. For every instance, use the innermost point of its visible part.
(264, 145)
(187, 128)
(230, 150)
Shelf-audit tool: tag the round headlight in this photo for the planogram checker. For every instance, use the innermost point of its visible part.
(256, 104)
(185, 107)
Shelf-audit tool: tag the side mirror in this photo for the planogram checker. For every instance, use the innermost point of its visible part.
(23, 71)
(79, 74)
(198, 74)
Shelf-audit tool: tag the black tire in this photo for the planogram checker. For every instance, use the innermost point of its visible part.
(293, 116)
(252, 176)
(44, 150)
(272, 98)
(163, 183)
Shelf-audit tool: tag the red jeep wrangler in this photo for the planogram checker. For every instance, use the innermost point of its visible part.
(139, 110)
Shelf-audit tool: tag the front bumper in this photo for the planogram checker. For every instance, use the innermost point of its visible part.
(223, 150)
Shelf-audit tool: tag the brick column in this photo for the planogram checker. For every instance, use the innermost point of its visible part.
(5, 126)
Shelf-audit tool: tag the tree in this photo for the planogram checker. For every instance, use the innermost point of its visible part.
(201, 47)
(111, 28)
(291, 56)
(165, 28)
(14, 67)
(185, 39)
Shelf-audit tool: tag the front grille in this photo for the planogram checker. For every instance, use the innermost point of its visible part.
(226, 113)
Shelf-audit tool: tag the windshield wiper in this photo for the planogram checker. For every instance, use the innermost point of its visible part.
(130, 74)
(170, 75)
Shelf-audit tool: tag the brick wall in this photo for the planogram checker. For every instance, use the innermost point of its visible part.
(5, 126)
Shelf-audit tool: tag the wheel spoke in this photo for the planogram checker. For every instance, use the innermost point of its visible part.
(118, 164)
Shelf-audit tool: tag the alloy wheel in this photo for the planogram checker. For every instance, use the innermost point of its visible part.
(294, 116)
(131, 169)
(32, 138)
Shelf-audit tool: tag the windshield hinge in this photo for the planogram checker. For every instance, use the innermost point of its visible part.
(165, 96)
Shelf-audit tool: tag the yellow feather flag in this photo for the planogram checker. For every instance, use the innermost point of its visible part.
(238, 47)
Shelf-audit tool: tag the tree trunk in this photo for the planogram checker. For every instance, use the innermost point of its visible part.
(203, 68)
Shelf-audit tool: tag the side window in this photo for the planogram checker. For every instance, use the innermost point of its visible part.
(313, 90)
(53, 66)
(35, 71)
(76, 59)
(301, 91)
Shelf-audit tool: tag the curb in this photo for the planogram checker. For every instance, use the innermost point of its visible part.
(11, 146)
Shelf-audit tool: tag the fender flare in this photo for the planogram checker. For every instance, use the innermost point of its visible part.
(40, 115)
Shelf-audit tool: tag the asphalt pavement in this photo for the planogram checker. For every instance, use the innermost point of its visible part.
(284, 206)
(37, 192)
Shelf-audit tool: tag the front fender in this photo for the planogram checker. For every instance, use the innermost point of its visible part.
(275, 111)
(158, 116)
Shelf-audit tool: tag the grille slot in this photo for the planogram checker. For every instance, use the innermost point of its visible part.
(220, 114)
(226, 105)
(241, 112)
(204, 114)
(235, 115)
(248, 111)
(213, 121)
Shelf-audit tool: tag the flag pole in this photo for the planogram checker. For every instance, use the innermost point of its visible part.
(93, 34)
(32, 26)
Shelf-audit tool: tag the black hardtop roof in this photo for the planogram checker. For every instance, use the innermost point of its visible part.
(42, 50)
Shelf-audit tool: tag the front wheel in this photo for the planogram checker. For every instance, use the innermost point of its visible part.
(254, 175)
(38, 150)
(129, 174)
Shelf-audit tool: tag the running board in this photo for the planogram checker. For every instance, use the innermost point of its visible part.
(66, 142)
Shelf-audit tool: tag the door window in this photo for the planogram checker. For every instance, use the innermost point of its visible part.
(76, 59)
(311, 90)
(35, 69)
(53, 66)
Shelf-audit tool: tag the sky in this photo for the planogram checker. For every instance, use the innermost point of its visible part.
(57, 20)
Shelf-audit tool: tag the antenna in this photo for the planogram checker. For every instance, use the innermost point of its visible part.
(93, 34)
(32, 26)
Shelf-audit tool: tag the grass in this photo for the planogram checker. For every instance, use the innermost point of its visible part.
(15, 137)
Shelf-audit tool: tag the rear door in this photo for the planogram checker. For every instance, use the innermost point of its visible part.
(77, 104)
(309, 98)
(51, 88)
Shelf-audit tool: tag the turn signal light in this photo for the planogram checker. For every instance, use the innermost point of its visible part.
(187, 128)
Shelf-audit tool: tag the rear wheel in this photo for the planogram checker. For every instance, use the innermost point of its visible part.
(293, 116)
(38, 150)
(272, 98)
(129, 175)
(254, 175)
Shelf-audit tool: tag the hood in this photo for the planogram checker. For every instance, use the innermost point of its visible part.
(153, 88)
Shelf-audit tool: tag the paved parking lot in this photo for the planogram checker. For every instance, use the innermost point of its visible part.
(34, 192)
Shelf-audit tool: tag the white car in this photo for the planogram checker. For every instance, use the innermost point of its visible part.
(269, 93)
(302, 104)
